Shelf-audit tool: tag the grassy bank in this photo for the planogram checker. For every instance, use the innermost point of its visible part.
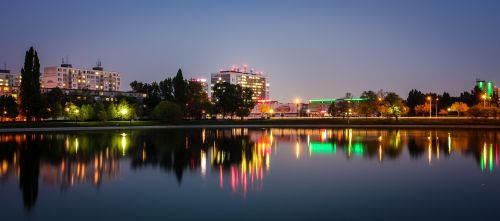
(276, 121)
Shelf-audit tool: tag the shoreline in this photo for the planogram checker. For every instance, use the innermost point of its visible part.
(222, 126)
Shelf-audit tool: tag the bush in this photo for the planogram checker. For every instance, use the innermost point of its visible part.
(167, 111)
(479, 111)
(474, 111)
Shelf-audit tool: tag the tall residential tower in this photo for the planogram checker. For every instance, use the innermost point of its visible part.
(246, 79)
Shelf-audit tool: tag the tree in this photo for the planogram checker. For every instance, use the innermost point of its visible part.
(197, 100)
(467, 98)
(30, 94)
(152, 92)
(333, 109)
(342, 107)
(226, 98)
(370, 105)
(415, 97)
(73, 111)
(125, 110)
(394, 105)
(459, 107)
(167, 89)
(477, 93)
(167, 111)
(56, 110)
(100, 112)
(8, 107)
(86, 112)
(246, 102)
(53, 101)
(180, 89)
(422, 109)
(445, 100)
(112, 112)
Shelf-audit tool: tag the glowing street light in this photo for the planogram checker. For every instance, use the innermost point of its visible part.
(437, 106)
(123, 112)
(430, 106)
(484, 99)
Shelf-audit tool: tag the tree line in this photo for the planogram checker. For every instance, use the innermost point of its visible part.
(189, 99)
(474, 104)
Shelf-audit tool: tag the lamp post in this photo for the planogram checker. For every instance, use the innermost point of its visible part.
(437, 107)
(308, 111)
(484, 99)
(349, 115)
(77, 112)
(380, 99)
(430, 106)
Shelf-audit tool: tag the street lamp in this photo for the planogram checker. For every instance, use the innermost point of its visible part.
(308, 112)
(484, 99)
(430, 106)
(123, 112)
(437, 107)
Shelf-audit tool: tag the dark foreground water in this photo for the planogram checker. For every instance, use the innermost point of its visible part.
(251, 174)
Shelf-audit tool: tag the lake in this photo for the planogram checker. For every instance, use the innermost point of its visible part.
(251, 174)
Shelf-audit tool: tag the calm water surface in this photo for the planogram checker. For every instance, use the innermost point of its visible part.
(251, 174)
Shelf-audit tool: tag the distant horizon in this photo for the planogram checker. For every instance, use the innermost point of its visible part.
(308, 50)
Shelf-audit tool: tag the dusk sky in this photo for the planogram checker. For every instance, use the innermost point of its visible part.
(308, 49)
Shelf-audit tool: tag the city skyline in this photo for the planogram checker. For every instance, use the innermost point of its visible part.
(336, 46)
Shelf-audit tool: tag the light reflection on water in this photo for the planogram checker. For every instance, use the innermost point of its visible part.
(238, 161)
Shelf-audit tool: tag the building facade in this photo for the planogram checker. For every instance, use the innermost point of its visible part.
(9, 83)
(486, 87)
(246, 79)
(67, 77)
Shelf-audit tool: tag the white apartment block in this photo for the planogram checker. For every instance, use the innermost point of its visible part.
(9, 83)
(254, 80)
(67, 77)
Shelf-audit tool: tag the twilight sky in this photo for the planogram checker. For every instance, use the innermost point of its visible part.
(308, 49)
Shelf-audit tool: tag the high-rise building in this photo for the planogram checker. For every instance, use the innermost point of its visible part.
(486, 87)
(246, 79)
(9, 82)
(67, 77)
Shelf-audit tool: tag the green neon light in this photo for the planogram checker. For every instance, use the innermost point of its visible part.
(334, 100)
(355, 99)
(480, 85)
(358, 149)
(321, 148)
(322, 101)
(490, 89)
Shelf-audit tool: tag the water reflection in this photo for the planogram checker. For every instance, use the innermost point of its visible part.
(239, 158)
